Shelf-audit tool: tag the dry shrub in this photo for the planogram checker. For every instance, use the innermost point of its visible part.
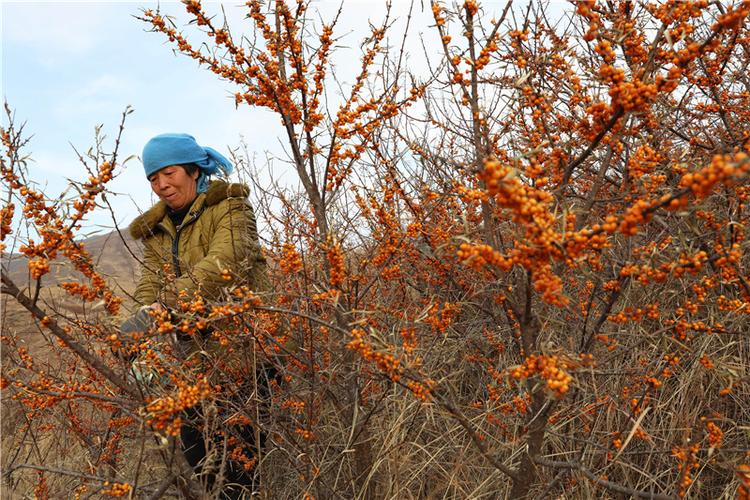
(523, 276)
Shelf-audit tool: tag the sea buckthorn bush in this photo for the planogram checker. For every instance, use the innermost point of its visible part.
(523, 275)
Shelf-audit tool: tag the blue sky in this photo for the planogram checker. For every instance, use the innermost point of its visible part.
(70, 66)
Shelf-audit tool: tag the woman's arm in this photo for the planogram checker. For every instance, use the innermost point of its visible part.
(233, 247)
(150, 282)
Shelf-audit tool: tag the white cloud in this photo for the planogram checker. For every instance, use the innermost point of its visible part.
(56, 168)
(54, 28)
(94, 96)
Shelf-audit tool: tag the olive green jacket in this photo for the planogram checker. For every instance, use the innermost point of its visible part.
(217, 239)
(218, 235)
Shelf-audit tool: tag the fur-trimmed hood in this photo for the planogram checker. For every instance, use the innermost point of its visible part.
(144, 225)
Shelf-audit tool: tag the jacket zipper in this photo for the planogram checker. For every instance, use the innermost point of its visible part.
(175, 258)
(176, 242)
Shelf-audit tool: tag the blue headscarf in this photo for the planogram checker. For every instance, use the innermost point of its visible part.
(178, 149)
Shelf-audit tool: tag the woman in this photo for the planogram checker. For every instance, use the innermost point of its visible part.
(198, 230)
(199, 239)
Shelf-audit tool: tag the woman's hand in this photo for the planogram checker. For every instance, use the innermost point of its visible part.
(136, 325)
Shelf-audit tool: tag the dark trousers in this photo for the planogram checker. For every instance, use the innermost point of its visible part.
(237, 481)
(236, 478)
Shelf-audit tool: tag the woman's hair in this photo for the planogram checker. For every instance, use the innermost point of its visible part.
(190, 168)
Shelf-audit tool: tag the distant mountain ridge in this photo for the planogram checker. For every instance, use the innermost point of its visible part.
(116, 256)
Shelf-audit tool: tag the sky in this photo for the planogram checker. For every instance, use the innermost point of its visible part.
(68, 67)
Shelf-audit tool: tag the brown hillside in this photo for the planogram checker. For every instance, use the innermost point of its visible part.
(115, 256)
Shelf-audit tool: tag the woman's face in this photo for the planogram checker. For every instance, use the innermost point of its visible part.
(175, 186)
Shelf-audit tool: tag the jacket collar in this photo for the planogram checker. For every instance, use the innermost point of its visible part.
(147, 224)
